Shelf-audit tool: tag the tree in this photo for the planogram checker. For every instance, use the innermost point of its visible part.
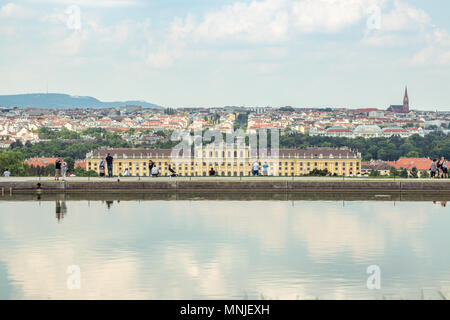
(414, 173)
(404, 173)
(13, 161)
(412, 154)
(393, 172)
(287, 108)
(318, 173)
(424, 174)
(375, 173)
(81, 172)
(70, 163)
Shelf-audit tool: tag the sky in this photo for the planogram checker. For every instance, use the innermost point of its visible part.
(177, 53)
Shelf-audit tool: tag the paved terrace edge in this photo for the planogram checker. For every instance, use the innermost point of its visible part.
(428, 186)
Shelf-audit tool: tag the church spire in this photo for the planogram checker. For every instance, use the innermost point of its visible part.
(406, 101)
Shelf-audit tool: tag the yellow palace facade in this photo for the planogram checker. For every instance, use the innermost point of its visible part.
(229, 162)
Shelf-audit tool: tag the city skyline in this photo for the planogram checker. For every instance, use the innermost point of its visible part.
(403, 108)
(349, 53)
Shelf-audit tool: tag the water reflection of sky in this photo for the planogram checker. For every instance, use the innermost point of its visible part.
(223, 249)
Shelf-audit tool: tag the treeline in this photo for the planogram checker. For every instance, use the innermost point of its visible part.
(73, 145)
(76, 148)
(13, 161)
(433, 145)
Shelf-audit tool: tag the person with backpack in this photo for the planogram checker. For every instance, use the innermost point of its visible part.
(102, 166)
(433, 168)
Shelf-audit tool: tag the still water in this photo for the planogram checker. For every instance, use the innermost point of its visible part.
(225, 247)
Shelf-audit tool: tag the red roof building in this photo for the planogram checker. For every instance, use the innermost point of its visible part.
(409, 163)
(40, 162)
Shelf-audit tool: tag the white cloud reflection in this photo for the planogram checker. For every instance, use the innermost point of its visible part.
(221, 249)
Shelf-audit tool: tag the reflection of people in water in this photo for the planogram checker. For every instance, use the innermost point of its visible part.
(442, 203)
(61, 210)
(109, 204)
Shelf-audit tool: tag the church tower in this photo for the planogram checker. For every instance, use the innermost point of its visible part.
(406, 102)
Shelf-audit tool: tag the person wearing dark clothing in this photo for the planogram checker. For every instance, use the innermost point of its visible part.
(212, 172)
(109, 162)
(172, 172)
(439, 168)
(151, 164)
(58, 169)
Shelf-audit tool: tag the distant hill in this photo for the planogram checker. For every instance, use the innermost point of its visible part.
(64, 101)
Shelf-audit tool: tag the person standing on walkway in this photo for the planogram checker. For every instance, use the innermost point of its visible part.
(255, 168)
(151, 164)
(102, 166)
(155, 171)
(444, 168)
(57, 169)
(6, 173)
(109, 162)
(63, 169)
(440, 171)
(433, 168)
(265, 169)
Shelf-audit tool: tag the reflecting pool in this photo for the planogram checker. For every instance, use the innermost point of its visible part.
(224, 246)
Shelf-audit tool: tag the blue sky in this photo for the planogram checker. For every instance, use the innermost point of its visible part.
(304, 53)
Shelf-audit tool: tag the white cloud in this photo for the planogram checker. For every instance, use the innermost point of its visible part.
(90, 3)
(405, 17)
(71, 45)
(163, 57)
(432, 56)
(404, 24)
(436, 52)
(255, 21)
(329, 16)
(12, 10)
(263, 23)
